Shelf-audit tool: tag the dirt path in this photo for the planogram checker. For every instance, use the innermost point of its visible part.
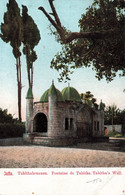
(45, 157)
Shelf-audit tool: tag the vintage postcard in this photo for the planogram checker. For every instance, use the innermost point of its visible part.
(62, 110)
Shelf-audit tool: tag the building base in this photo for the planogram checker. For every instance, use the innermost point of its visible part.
(48, 141)
(37, 139)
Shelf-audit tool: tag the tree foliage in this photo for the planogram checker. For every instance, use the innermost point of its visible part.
(31, 38)
(5, 117)
(18, 29)
(114, 116)
(11, 29)
(88, 98)
(99, 43)
(12, 33)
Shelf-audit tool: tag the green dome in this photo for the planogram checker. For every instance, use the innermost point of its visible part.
(44, 97)
(71, 94)
(51, 91)
(29, 94)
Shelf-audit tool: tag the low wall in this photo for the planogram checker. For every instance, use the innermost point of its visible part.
(100, 139)
(11, 141)
(117, 128)
(118, 142)
(60, 141)
(48, 141)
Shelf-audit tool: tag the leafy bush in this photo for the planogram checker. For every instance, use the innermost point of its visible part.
(114, 134)
(5, 117)
(118, 135)
(8, 130)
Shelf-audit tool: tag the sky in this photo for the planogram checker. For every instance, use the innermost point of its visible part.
(83, 79)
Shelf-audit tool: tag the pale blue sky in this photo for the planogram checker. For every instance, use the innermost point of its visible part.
(83, 79)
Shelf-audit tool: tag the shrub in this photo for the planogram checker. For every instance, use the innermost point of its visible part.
(118, 135)
(5, 117)
(114, 134)
(8, 130)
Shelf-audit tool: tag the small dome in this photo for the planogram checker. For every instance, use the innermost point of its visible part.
(44, 97)
(51, 91)
(29, 94)
(71, 94)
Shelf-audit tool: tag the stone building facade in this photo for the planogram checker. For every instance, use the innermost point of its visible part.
(61, 118)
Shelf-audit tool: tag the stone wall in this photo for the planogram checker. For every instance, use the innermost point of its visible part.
(11, 141)
(84, 121)
(63, 111)
(98, 123)
(53, 124)
(77, 116)
(39, 108)
(65, 118)
(56, 113)
(117, 128)
(53, 141)
(29, 113)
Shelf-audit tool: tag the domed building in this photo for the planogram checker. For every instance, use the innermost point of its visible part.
(61, 118)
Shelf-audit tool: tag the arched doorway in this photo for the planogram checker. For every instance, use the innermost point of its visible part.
(84, 122)
(40, 123)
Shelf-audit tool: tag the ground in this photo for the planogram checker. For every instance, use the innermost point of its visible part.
(84, 155)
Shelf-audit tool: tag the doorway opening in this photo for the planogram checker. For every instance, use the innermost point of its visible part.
(40, 123)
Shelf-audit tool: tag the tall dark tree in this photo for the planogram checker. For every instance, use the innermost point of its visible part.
(31, 37)
(11, 32)
(99, 43)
